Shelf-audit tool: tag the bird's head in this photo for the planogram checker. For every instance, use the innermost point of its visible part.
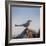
(29, 21)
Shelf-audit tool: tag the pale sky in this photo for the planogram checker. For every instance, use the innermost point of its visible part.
(20, 15)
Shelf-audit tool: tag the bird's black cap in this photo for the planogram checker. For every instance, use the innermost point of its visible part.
(29, 20)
